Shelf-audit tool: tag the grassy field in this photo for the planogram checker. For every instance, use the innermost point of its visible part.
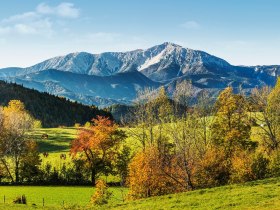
(54, 197)
(58, 143)
(264, 194)
(58, 139)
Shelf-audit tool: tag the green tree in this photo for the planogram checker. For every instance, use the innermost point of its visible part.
(30, 164)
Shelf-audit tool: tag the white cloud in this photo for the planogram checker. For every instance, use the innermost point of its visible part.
(4, 30)
(42, 26)
(191, 25)
(27, 16)
(64, 10)
(40, 21)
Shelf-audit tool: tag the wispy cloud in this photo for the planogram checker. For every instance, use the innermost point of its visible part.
(40, 21)
(64, 10)
(190, 25)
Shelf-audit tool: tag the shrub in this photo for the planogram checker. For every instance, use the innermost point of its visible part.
(87, 124)
(260, 166)
(213, 169)
(101, 195)
(77, 125)
(241, 170)
(274, 165)
(150, 174)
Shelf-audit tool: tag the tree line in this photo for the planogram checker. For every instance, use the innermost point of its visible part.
(185, 145)
(52, 111)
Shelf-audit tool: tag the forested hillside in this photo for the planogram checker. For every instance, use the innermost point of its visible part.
(52, 110)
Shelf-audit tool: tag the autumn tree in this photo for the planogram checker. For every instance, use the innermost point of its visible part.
(16, 122)
(273, 109)
(265, 104)
(230, 133)
(142, 118)
(189, 128)
(164, 113)
(150, 174)
(231, 128)
(99, 145)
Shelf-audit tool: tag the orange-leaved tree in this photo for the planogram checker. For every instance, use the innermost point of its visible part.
(151, 174)
(98, 144)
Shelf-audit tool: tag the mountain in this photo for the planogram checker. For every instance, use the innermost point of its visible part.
(51, 110)
(115, 77)
(89, 89)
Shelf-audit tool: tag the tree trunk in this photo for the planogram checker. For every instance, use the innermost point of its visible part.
(7, 168)
(93, 176)
(17, 171)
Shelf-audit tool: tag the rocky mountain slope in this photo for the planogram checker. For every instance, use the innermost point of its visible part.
(115, 77)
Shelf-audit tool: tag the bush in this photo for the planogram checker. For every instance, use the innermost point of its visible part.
(260, 166)
(101, 195)
(274, 165)
(77, 125)
(213, 169)
(150, 174)
(241, 170)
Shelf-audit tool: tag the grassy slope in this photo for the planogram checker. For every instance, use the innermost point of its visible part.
(57, 143)
(264, 194)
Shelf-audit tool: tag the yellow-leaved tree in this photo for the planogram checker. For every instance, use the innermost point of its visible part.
(15, 143)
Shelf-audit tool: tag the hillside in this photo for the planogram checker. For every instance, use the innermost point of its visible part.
(264, 194)
(88, 89)
(52, 110)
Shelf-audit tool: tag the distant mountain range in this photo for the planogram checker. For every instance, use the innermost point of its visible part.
(115, 77)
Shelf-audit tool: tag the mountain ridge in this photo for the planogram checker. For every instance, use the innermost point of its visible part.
(109, 75)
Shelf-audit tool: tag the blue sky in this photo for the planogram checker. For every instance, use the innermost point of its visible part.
(243, 32)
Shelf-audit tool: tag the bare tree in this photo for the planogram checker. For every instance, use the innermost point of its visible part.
(266, 117)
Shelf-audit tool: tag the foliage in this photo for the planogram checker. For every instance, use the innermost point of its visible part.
(52, 111)
(31, 161)
(101, 195)
(231, 127)
(266, 101)
(212, 169)
(274, 164)
(121, 163)
(260, 166)
(150, 175)
(99, 145)
(14, 143)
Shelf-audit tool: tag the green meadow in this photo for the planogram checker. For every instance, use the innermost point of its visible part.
(263, 194)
